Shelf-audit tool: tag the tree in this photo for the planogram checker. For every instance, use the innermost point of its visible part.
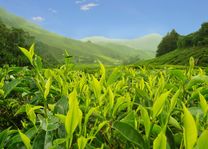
(10, 39)
(168, 43)
(200, 37)
(186, 41)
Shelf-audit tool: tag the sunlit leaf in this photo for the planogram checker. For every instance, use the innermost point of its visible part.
(146, 119)
(27, 54)
(174, 99)
(173, 122)
(111, 98)
(190, 129)
(160, 141)
(31, 113)
(32, 49)
(25, 140)
(74, 114)
(96, 87)
(202, 141)
(203, 103)
(47, 87)
(59, 141)
(82, 142)
(103, 73)
(159, 103)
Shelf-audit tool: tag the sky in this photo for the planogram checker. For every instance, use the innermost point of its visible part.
(111, 18)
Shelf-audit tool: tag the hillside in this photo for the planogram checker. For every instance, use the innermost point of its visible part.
(180, 57)
(147, 42)
(85, 52)
(146, 45)
(176, 49)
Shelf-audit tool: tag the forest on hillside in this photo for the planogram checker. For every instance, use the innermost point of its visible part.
(12, 38)
(174, 40)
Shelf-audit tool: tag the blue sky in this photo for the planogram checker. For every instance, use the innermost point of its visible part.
(111, 18)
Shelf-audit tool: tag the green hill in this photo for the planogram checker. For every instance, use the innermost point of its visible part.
(52, 45)
(145, 46)
(87, 52)
(177, 49)
(147, 42)
(180, 57)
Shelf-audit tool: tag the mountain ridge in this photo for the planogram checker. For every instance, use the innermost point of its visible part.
(136, 43)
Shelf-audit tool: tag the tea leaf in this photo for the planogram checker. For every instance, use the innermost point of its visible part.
(203, 103)
(160, 141)
(190, 129)
(129, 133)
(74, 114)
(174, 99)
(27, 54)
(145, 117)
(10, 86)
(43, 140)
(59, 141)
(47, 87)
(25, 140)
(31, 50)
(82, 142)
(102, 71)
(96, 87)
(3, 136)
(159, 103)
(202, 141)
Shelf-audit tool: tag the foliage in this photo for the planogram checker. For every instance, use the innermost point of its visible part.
(180, 57)
(10, 39)
(168, 43)
(178, 49)
(119, 108)
(198, 38)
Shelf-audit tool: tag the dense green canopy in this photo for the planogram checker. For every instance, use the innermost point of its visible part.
(10, 39)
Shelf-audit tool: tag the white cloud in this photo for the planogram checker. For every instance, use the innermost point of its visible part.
(38, 19)
(79, 1)
(52, 10)
(88, 6)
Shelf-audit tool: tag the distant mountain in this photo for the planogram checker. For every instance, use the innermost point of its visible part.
(147, 42)
(53, 45)
(144, 47)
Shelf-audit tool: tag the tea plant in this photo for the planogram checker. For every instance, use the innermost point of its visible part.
(120, 108)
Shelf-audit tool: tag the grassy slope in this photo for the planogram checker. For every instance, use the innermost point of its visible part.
(181, 57)
(87, 52)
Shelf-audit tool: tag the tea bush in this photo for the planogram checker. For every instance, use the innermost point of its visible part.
(119, 108)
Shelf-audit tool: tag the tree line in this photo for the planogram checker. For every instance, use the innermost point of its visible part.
(173, 40)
